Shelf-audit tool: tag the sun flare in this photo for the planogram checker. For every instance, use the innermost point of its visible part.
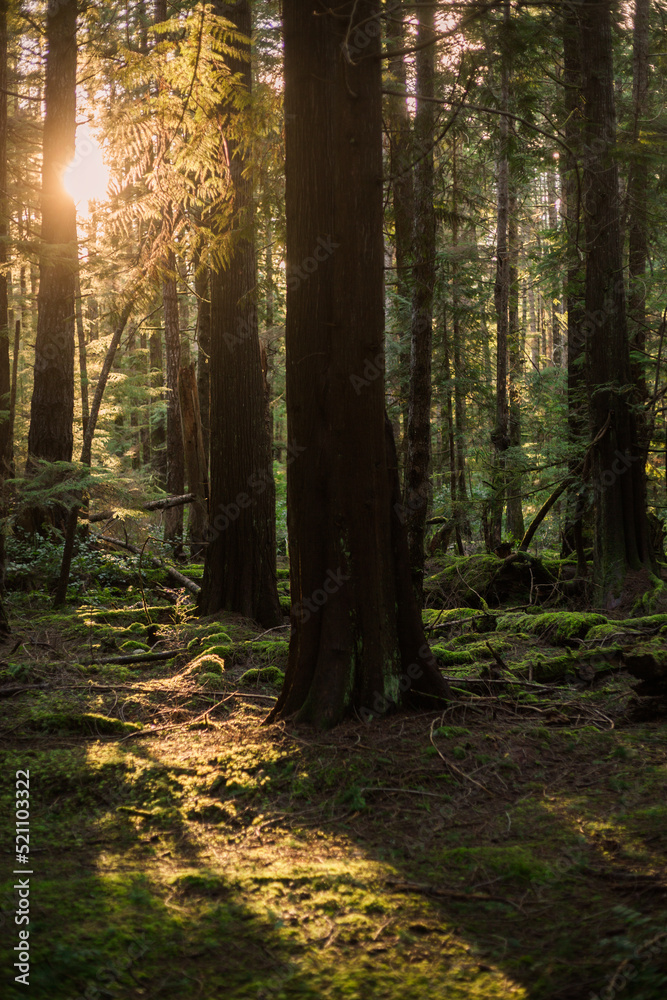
(86, 178)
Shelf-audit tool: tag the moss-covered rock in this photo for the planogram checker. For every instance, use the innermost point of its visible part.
(86, 723)
(265, 675)
(132, 646)
(560, 627)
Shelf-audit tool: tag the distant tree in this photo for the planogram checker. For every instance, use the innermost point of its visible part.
(357, 642)
(417, 478)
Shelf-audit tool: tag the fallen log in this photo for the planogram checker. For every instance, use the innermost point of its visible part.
(137, 657)
(165, 504)
(184, 581)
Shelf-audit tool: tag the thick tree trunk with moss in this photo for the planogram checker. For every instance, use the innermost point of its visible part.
(357, 643)
(417, 478)
(52, 408)
(618, 477)
(240, 566)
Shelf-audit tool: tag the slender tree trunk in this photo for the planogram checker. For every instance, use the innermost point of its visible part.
(195, 459)
(451, 436)
(417, 479)
(203, 292)
(357, 641)
(621, 529)
(173, 518)
(6, 437)
(400, 165)
(239, 571)
(52, 408)
(577, 397)
(460, 507)
(158, 432)
(637, 201)
(15, 378)
(556, 335)
(83, 361)
(500, 436)
(515, 526)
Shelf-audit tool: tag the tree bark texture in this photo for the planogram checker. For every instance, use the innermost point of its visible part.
(402, 186)
(515, 526)
(357, 642)
(173, 520)
(618, 479)
(195, 458)
(239, 571)
(6, 437)
(500, 434)
(203, 293)
(52, 407)
(417, 479)
(638, 195)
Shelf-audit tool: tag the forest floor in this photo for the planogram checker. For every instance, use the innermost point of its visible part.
(512, 845)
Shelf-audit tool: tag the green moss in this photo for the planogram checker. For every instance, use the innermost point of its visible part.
(600, 632)
(268, 675)
(432, 616)
(558, 626)
(131, 645)
(210, 662)
(221, 651)
(465, 579)
(217, 638)
(451, 657)
(209, 679)
(649, 621)
(87, 723)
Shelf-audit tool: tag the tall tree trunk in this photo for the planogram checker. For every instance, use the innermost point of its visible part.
(460, 498)
(52, 408)
(621, 530)
(13, 394)
(240, 566)
(500, 434)
(400, 165)
(157, 428)
(357, 641)
(173, 517)
(195, 460)
(638, 197)
(556, 335)
(577, 398)
(203, 293)
(83, 361)
(417, 480)
(6, 437)
(515, 526)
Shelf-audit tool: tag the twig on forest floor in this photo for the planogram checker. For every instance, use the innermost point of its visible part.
(458, 894)
(453, 767)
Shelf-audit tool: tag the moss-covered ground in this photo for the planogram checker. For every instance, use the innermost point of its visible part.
(512, 845)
